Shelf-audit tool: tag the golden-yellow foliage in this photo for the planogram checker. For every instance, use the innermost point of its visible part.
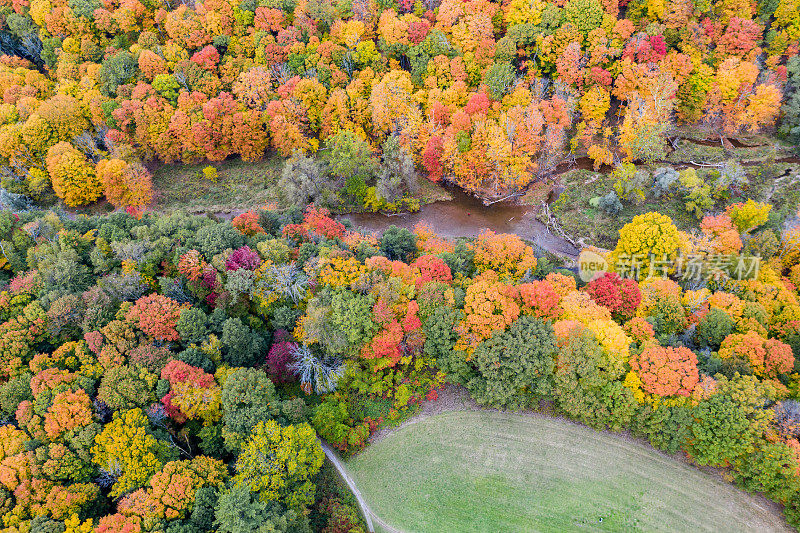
(73, 177)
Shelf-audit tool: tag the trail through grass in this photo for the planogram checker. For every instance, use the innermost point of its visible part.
(489, 471)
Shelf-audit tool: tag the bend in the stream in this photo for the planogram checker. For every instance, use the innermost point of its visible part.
(467, 216)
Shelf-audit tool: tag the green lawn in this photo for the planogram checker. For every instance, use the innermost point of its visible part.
(498, 472)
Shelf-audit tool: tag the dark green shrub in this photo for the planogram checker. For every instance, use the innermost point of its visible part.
(398, 243)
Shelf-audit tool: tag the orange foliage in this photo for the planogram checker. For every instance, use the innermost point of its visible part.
(490, 306)
(125, 184)
(504, 253)
(192, 265)
(247, 223)
(565, 330)
(540, 299)
(767, 357)
(666, 371)
(68, 411)
(639, 329)
(725, 237)
(171, 493)
(429, 242)
(157, 315)
(562, 284)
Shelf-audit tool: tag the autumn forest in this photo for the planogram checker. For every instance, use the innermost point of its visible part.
(166, 370)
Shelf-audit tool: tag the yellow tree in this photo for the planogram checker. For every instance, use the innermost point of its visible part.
(74, 179)
(761, 110)
(648, 117)
(390, 103)
(294, 458)
(647, 238)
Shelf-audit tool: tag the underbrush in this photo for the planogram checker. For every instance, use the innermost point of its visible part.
(770, 182)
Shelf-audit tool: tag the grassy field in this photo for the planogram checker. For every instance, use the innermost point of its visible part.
(239, 186)
(489, 471)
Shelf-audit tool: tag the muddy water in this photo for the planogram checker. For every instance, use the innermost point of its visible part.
(466, 216)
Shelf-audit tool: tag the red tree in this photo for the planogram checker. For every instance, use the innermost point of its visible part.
(431, 268)
(432, 158)
(620, 296)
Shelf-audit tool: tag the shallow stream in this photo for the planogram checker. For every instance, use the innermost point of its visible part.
(467, 216)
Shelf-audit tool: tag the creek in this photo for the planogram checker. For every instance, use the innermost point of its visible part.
(467, 216)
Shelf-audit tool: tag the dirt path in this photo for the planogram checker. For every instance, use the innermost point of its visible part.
(369, 514)
(450, 398)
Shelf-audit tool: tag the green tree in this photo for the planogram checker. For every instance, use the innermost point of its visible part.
(305, 180)
(213, 239)
(714, 327)
(499, 78)
(192, 325)
(115, 71)
(585, 15)
(14, 392)
(242, 345)
(666, 427)
(440, 337)
(728, 423)
(333, 422)
(205, 500)
(721, 433)
(84, 8)
(398, 243)
(349, 158)
(588, 386)
(771, 468)
(397, 174)
(515, 366)
(351, 315)
(248, 397)
(240, 511)
(167, 86)
(127, 387)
